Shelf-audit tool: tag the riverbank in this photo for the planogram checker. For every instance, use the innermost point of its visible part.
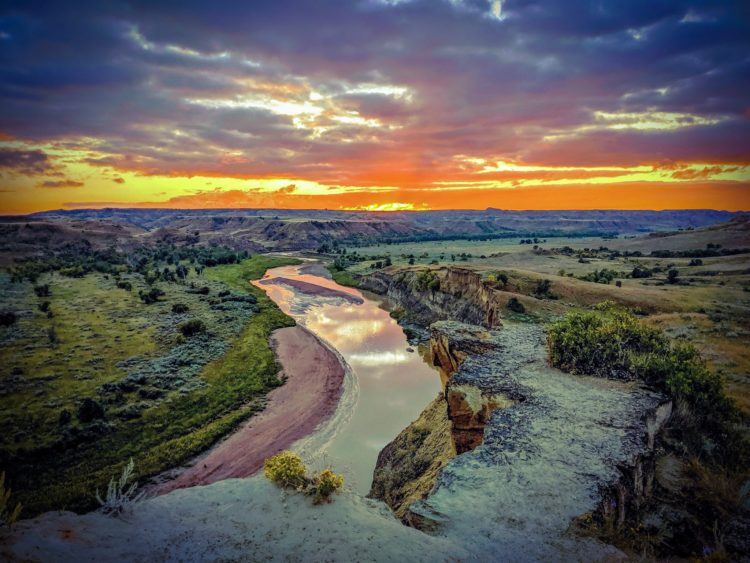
(313, 378)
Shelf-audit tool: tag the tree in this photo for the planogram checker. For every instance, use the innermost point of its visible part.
(672, 276)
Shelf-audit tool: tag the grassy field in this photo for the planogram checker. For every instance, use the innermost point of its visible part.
(103, 333)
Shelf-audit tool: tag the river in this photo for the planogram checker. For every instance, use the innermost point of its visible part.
(389, 382)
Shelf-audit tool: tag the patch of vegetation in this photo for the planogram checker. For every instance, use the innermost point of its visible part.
(612, 342)
(121, 493)
(287, 470)
(515, 305)
(8, 318)
(427, 280)
(8, 515)
(161, 403)
(179, 308)
(543, 290)
(192, 327)
(343, 277)
(604, 275)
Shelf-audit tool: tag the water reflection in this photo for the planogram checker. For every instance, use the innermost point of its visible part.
(394, 385)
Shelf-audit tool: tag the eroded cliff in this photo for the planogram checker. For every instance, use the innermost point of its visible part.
(539, 447)
(460, 293)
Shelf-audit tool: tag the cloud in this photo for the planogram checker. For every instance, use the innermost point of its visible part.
(376, 93)
(60, 184)
(30, 162)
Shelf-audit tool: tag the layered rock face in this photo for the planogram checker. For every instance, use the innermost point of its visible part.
(461, 295)
(408, 467)
(470, 399)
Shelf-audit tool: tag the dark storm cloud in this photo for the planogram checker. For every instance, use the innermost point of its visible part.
(25, 162)
(163, 87)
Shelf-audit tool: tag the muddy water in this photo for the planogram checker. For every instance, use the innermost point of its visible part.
(391, 384)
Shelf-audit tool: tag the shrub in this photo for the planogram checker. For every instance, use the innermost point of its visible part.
(604, 276)
(428, 280)
(672, 276)
(52, 337)
(542, 289)
(613, 343)
(126, 285)
(286, 470)
(639, 273)
(120, 495)
(42, 290)
(515, 305)
(65, 417)
(7, 516)
(88, 410)
(7, 318)
(150, 296)
(327, 483)
(192, 327)
(179, 308)
(43, 306)
(601, 343)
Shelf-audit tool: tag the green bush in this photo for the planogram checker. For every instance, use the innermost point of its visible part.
(126, 285)
(286, 470)
(150, 296)
(515, 305)
(89, 410)
(615, 344)
(542, 290)
(427, 280)
(327, 483)
(7, 318)
(192, 327)
(179, 308)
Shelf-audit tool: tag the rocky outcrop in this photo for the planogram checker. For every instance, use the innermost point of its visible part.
(459, 294)
(541, 447)
(407, 468)
(470, 401)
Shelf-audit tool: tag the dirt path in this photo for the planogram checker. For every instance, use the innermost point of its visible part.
(314, 377)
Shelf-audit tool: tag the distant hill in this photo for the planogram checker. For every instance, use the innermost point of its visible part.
(276, 229)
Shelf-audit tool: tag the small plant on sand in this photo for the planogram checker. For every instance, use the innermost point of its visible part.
(327, 483)
(7, 515)
(286, 470)
(121, 493)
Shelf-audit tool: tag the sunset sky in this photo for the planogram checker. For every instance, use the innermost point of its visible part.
(375, 104)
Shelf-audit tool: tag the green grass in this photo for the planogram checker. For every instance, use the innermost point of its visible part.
(171, 431)
(343, 277)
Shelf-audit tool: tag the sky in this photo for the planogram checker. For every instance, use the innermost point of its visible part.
(375, 104)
